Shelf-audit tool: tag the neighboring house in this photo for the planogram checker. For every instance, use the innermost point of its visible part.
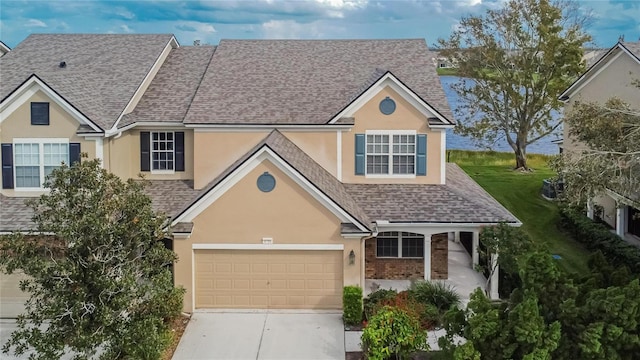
(610, 76)
(288, 169)
(4, 49)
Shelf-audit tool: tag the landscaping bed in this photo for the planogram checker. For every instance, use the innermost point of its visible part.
(177, 325)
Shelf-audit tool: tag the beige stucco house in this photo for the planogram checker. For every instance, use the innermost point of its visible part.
(612, 75)
(287, 169)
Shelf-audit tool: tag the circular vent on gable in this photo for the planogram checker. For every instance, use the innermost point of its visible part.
(387, 106)
(266, 182)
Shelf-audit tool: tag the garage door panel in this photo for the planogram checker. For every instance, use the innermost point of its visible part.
(268, 279)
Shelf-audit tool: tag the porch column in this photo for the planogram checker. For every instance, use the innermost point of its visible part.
(495, 278)
(475, 244)
(457, 237)
(620, 220)
(427, 257)
(590, 208)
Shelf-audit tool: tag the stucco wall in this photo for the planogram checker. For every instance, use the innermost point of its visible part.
(123, 156)
(405, 117)
(61, 125)
(215, 151)
(609, 209)
(320, 146)
(244, 215)
(615, 80)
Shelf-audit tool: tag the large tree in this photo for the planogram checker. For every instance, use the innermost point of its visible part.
(514, 62)
(608, 152)
(98, 272)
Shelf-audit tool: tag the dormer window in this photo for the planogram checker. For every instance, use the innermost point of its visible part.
(390, 153)
(39, 113)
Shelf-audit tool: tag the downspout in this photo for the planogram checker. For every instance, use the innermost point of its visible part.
(363, 239)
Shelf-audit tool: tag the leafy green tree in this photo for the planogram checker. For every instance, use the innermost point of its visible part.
(520, 58)
(609, 155)
(510, 245)
(553, 316)
(393, 333)
(98, 273)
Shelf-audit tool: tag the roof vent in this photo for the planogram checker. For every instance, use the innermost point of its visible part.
(63, 64)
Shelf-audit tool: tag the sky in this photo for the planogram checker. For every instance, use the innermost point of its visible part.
(209, 20)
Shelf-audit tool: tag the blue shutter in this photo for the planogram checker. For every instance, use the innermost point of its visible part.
(421, 154)
(360, 154)
(7, 166)
(74, 153)
(145, 151)
(179, 150)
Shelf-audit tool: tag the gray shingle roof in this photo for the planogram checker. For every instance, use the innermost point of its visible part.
(306, 81)
(461, 200)
(172, 89)
(102, 71)
(14, 214)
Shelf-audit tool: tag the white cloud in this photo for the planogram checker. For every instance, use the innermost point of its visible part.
(289, 29)
(126, 29)
(205, 28)
(120, 11)
(343, 4)
(35, 23)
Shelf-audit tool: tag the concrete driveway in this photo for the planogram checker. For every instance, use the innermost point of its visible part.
(262, 335)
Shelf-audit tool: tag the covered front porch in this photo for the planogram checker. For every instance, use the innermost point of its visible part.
(454, 266)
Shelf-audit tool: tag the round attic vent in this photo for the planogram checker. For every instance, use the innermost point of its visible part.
(266, 182)
(387, 106)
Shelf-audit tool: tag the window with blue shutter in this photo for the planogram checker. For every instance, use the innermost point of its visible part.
(7, 166)
(74, 153)
(421, 154)
(360, 153)
(145, 151)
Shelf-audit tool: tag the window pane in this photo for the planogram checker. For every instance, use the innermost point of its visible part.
(28, 176)
(412, 245)
(403, 164)
(387, 245)
(377, 164)
(162, 150)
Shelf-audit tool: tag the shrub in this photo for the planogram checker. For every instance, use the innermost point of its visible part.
(436, 293)
(352, 305)
(596, 236)
(392, 332)
(372, 302)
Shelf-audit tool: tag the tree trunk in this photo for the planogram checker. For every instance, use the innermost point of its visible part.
(521, 155)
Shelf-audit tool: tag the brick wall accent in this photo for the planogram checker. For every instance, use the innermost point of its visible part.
(439, 257)
(389, 268)
(407, 269)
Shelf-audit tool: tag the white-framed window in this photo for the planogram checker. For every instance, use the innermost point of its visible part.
(391, 153)
(162, 151)
(34, 159)
(394, 244)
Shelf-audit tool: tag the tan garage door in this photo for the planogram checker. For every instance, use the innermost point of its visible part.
(11, 298)
(268, 279)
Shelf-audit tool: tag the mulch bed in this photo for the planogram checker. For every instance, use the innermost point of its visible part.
(177, 328)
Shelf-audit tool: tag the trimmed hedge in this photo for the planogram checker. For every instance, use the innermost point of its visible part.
(596, 236)
(352, 305)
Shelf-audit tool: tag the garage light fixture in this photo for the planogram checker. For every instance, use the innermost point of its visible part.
(352, 258)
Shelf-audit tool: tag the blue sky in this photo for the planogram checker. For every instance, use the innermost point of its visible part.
(210, 21)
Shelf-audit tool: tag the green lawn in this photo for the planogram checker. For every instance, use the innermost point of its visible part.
(447, 71)
(520, 193)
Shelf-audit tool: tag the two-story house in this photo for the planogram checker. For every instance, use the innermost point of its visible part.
(288, 168)
(612, 75)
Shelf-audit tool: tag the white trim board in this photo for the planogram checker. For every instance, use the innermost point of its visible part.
(310, 247)
(389, 80)
(264, 153)
(30, 88)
